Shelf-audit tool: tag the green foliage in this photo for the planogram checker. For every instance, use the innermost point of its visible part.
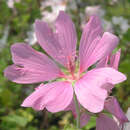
(70, 127)
(91, 124)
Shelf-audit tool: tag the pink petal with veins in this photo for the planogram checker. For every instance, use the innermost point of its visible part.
(93, 47)
(89, 90)
(54, 97)
(114, 59)
(67, 37)
(60, 45)
(30, 66)
(91, 31)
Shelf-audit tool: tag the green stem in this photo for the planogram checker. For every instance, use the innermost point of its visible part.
(78, 113)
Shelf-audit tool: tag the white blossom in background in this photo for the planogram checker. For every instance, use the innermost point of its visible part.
(97, 10)
(56, 6)
(47, 16)
(10, 3)
(122, 22)
(31, 37)
(3, 40)
(112, 2)
(127, 125)
(107, 25)
(94, 10)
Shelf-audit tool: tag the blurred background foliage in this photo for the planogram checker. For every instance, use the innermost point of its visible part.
(16, 25)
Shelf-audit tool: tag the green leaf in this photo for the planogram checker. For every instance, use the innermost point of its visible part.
(15, 119)
(91, 123)
(70, 127)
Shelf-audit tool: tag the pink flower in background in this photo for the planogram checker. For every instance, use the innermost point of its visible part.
(31, 66)
(112, 106)
(104, 122)
(127, 125)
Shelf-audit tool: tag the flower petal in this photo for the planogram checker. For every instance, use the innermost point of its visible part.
(71, 107)
(91, 31)
(108, 87)
(89, 89)
(103, 62)
(47, 39)
(54, 96)
(30, 66)
(112, 106)
(106, 123)
(67, 36)
(84, 119)
(60, 45)
(96, 49)
(114, 59)
(114, 62)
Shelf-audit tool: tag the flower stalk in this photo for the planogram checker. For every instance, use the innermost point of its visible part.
(78, 112)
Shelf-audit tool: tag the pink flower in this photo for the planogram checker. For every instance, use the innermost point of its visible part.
(111, 104)
(110, 61)
(84, 119)
(31, 66)
(104, 122)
